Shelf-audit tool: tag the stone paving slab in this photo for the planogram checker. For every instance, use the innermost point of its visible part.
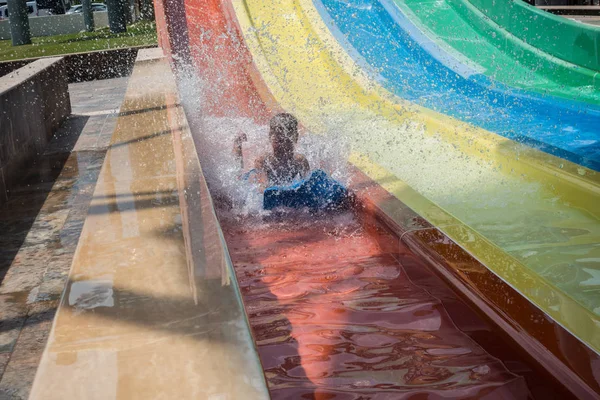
(20, 371)
(40, 227)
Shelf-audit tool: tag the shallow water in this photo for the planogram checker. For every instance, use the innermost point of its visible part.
(335, 315)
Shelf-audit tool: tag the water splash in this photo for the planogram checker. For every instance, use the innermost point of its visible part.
(214, 136)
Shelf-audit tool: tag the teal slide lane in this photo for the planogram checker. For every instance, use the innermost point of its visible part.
(394, 52)
(568, 40)
(535, 50)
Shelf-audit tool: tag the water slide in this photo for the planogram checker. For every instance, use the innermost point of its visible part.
(534, 225)
(409, 61)
(523, 205)
(350, 308)
(552, 56)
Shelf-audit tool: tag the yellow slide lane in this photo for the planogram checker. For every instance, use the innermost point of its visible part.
(530, 217)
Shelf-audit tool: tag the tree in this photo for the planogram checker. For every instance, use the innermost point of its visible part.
(147, 9)
(18, 17)
(88, 15)
(117, 20)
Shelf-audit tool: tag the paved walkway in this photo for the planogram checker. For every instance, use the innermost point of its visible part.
(40, 228)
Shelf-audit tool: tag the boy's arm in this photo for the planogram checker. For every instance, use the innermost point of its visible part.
(303, 162)
(237, 148)
(261, 176)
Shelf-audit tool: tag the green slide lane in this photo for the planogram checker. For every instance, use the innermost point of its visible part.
(565, 39)
(515, 43)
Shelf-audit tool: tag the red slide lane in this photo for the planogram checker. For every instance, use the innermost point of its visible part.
(219, 54)
(333, 311)
(335, 315)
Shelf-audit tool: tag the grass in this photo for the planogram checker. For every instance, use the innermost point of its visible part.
(138, 34)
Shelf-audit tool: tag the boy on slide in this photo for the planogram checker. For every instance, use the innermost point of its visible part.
(287, 174)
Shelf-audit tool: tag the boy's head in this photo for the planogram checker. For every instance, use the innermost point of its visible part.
(283, 132)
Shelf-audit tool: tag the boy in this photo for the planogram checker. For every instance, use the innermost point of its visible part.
(282, 166)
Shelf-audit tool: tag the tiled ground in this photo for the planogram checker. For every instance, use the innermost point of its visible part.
(40, 227)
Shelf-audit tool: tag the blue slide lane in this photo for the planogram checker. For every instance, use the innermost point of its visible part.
(380, 38)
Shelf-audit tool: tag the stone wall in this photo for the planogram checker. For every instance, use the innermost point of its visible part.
(56, 24)
(34, 101)
(80, 67)
(7, 67)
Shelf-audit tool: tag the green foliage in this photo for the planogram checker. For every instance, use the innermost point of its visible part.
(138, 34)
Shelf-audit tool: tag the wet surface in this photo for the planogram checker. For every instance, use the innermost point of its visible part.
(40, 227)
(543, 341)
(408, 64)
(335, 315)
(143, 315)
(537, 231)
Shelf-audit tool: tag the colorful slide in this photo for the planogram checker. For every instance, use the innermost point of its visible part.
(535, 227)
(330, 299)
(410, 64)
(507, 170)
(552, 56)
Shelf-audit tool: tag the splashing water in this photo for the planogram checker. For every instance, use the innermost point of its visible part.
(215, 135)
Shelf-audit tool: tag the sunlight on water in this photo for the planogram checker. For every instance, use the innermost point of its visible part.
(521, 217)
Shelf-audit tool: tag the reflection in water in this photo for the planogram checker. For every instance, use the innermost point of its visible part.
(334, 315)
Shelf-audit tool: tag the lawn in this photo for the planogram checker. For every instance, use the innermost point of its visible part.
(138, 34)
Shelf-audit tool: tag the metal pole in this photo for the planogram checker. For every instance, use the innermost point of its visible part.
(116, 16)
(19, 22)
(88, 15)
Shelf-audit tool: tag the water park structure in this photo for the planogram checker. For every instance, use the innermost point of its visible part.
(466, 266)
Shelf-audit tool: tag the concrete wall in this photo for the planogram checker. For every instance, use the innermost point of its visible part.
(56, 24)
(34, 101)
(6, 67)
